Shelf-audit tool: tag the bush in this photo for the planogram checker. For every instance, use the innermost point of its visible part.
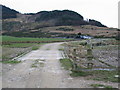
(65, 29)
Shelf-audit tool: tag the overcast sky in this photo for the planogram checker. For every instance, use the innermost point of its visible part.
(105, 11)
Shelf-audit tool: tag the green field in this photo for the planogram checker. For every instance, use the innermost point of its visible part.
(24, 39)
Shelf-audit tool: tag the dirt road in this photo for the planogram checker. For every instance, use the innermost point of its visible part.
(41, 69)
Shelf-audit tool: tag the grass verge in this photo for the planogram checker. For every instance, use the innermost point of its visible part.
(35, 47)
(10, 62)
(102, 75)
(100, 85)
(99, 75)
(66, 63)
(79, 73)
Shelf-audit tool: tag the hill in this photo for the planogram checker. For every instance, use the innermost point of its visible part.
(63, 17)
(58, 18)
(56, 23)
(50, 18)
(8, 13)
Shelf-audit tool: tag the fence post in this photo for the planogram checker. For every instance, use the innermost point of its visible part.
(89, 54)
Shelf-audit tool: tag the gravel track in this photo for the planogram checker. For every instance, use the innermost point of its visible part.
(47, 73)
